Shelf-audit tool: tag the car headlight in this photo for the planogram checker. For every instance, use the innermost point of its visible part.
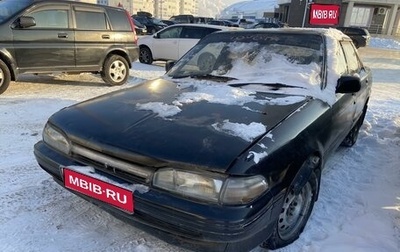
(215, 189)
(56, 139)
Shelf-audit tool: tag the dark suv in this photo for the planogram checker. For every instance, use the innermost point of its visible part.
(153, 24)
(360, 36)
(39, 36)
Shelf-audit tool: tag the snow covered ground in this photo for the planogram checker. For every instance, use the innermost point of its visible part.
(358, 208)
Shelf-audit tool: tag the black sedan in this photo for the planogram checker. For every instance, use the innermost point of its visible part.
(224, 152)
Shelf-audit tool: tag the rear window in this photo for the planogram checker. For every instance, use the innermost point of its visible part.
(354, 31)
(119, 20)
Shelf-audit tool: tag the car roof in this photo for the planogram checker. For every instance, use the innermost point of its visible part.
(75, 2)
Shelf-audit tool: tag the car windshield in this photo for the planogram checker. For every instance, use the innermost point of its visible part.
(259, 58)
(9, 8)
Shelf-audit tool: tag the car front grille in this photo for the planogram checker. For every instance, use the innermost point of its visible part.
(112, 165)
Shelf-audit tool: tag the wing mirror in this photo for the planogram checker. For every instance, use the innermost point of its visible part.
(169, 64)
(348, 84)
(25, 22)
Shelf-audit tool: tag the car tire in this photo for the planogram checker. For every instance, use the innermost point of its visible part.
(352, 136)
(145, 55)
(5, 77)
(294, 215)
(206, 62)
(115, 70)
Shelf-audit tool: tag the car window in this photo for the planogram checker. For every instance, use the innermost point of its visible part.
(351, 31)
(119, 20)
(196, 32)
(173, 32)
(54, 18)
(87, 20)
(351, 57)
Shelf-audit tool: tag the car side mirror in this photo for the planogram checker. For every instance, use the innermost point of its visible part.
(348, 84)
(157, 36)
(25, 22)
(169, 64)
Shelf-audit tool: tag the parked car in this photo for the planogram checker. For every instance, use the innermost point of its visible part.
(65, 36)
(182, 19)
(269, 25)
(140, 28)
(223, 23)
(225, 157)
(172, 42)
(360, 36)
(167, 22)
(153, 24)
(202, 20)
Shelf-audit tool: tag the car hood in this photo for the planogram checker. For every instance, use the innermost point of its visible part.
(176, 124)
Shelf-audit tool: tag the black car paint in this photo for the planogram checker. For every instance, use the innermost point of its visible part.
(242, 221)
(310, 128)
(196, 117)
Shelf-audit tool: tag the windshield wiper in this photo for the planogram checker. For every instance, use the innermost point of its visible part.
(206, 77)
(275, 86)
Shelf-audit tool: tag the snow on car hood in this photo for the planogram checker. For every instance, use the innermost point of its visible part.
(202, 124)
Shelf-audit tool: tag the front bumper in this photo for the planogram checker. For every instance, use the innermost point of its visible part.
(199, 227)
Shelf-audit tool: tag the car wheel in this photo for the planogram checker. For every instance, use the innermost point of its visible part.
(206, 62)
(296, 210)
(115, 70)
(5, 77)
(352, 136)
(145, 55)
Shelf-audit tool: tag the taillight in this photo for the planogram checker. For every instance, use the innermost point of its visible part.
(135, 38)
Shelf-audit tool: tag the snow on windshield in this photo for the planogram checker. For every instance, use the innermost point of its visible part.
(298, 67)
(294, 65)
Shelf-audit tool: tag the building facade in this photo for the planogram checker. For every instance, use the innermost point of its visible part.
(163, 9)
(378, 16)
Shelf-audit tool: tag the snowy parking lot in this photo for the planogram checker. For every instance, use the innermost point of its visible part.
(358, 208)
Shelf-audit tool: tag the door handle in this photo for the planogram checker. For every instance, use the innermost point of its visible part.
(63, 35)
(105, 36)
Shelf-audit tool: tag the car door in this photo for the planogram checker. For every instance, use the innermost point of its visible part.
(93, 36)
(356, 68)
(343, 109)
(166, 43)
(190, 35)
(47, 45)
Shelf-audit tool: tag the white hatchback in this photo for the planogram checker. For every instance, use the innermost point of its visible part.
(174, 41)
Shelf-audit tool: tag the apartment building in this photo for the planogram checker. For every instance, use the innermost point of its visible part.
(163, 9)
